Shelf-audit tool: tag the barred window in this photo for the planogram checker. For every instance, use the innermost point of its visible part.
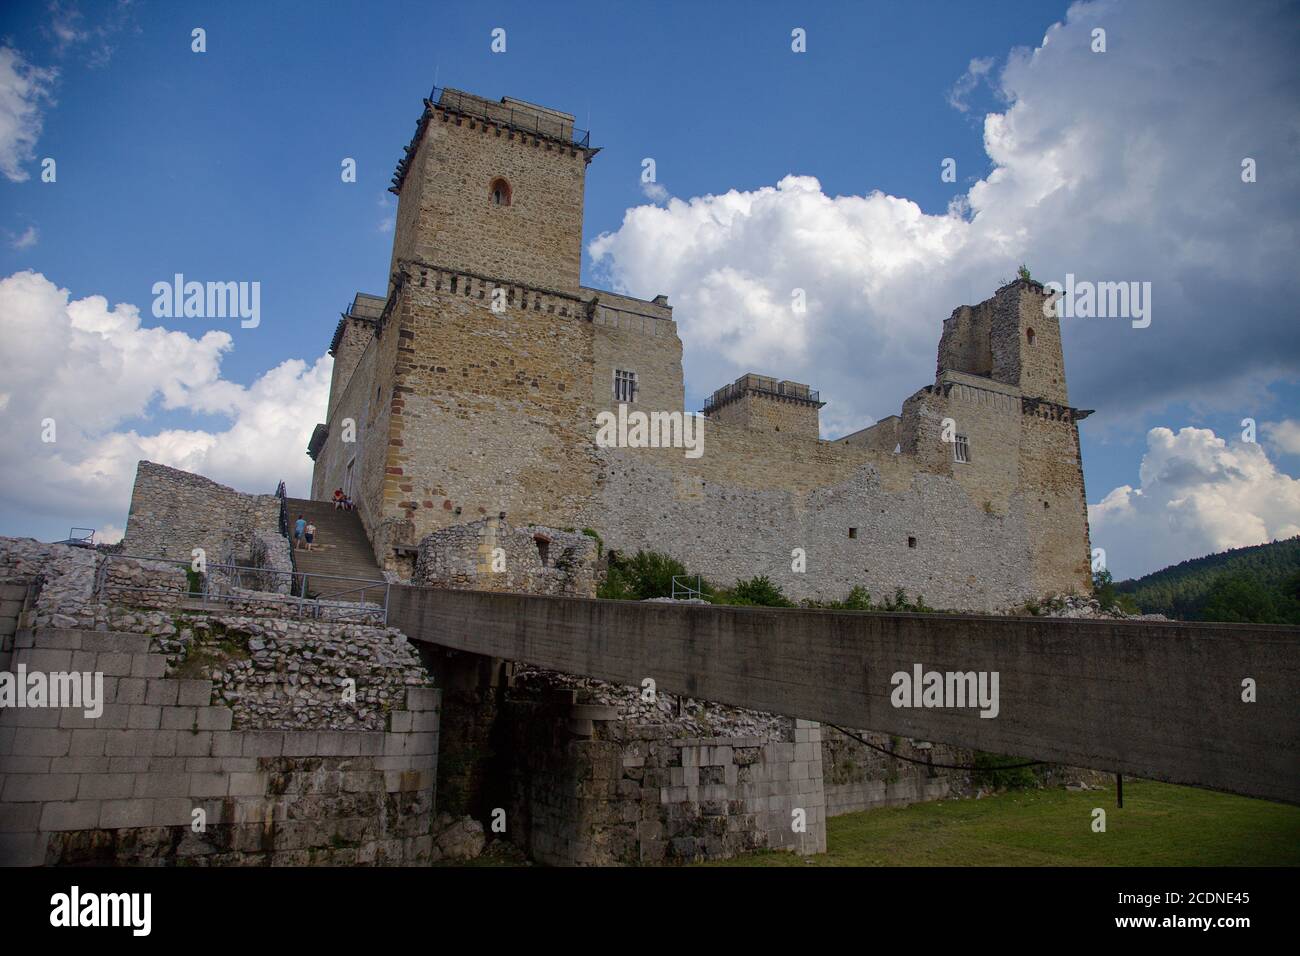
(960, 449)
(624, 386)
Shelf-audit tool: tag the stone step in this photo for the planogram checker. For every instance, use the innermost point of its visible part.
(340, 550)
(323, 545)
(307, 560)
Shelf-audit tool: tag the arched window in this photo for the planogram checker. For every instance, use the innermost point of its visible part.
(1029, 334)
(500, 192)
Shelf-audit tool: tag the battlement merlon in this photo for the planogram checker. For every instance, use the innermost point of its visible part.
(509, 113)
(752, 382)
(364, 308)
(767, 404)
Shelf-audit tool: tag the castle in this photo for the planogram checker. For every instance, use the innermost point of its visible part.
(471, 390)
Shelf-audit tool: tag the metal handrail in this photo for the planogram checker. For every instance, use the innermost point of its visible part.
(683, 591)
(219, 591)
(282, 493)
(524, 120)
(737, 390)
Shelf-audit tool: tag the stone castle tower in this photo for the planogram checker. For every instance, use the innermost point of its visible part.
(470, 390)
(474, 383)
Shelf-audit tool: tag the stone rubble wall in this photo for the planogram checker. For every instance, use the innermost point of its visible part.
(462, 556)
(686, 715)
(279, 674)
(174, 512)
(272, 551)
(927, 536)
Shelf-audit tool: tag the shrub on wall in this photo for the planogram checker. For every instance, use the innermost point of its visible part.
(756, 592)
(645, 575)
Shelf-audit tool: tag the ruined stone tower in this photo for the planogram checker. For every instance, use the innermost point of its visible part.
(1013, 340)
(470, 390)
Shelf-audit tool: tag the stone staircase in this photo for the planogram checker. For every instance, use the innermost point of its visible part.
(341, 549)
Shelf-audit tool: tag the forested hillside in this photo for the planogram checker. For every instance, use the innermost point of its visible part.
(1259, 584)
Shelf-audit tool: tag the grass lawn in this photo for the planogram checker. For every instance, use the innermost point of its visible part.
(1160, 825)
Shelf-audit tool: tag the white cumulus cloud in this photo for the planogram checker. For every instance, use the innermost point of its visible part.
(1198, 494)
(93, 378)
(1284, 434)
(1122, 166)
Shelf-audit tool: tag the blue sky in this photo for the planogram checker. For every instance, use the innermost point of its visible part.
(225, 165)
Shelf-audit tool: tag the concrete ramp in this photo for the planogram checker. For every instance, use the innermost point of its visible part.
(1150, 699)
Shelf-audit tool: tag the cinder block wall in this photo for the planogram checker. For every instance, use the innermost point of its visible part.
(125, 787)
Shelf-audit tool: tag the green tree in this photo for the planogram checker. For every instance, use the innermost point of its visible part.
(1242, 599)
(757, 591)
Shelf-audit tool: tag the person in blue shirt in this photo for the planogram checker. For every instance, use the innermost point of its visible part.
(299, 529)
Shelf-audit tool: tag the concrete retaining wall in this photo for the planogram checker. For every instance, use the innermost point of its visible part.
(1152, 699)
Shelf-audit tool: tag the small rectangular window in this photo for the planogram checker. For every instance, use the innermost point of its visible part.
(853, 532)
(961, 449)
(911, 542)
(624, 386)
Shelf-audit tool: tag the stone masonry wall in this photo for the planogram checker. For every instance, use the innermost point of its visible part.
(479, 411)
(628, 782)
(248, 720)
(1055, 503)
(467, 556)
(1036, 367)
(492, 410)
(357, 400)
(927, 536)
(859, 778)
(174, 511)
(638, 337)
(355, 336)
(769, 414)
(446, 215)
